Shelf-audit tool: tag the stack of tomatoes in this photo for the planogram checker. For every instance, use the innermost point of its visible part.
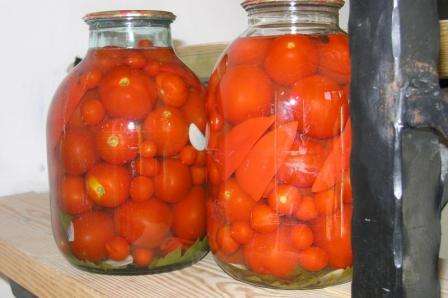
(279, 148)
(124, 165)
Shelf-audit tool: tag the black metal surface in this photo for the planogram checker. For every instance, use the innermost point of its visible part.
(396, 168)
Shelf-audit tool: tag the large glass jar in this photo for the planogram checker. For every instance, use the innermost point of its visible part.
(126, 151)
(279, 141)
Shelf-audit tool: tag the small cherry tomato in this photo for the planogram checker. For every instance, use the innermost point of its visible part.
(291, 58)
(92, 231)
(198, 175)
(128, 93)
(248, 50)
(167, 128)
(142, 257)
(142, 189)
(301, 236)
(263, 219)
(313, 259)
(144, 224)
(148, 149)
(285, 199)
(227, 245)
(188, 155)
(172, 89)
(235, 203)
(78, 152)
(241, 232)
(152, 68)
(135, 59)
(106, 58)
(147, 166)
(173, 182)
(307, 209)
(117, 249)
(91, 78)
(73, 197)
(194, 110)
(303, 163)
(321, 106)
(92, 112)
(108, 185)
(334, 58)
(246, 91)
(144, 43)
(189, 215)
(117, 141)
(327, 202)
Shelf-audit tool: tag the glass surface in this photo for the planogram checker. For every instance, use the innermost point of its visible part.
(126, 155)
(280, 202)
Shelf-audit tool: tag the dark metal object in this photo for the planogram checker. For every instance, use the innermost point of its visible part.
(395, 162)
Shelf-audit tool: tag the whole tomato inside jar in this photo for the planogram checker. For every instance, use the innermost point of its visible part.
(280, 202)
(127, 181)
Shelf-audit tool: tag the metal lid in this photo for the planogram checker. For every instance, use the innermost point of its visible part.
(247, 4)
(130, 14)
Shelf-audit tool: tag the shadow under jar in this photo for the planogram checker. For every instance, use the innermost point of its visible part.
(126, 151)
(280, 203)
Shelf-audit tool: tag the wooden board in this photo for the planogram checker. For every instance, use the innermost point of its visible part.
(28, 255)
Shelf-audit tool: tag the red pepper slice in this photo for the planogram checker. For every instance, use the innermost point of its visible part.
(265, 158)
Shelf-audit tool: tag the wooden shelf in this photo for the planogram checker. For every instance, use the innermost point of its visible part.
(28, 255)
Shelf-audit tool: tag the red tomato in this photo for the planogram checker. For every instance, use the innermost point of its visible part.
(263, 219)
(142, 189)
(291, 58)
(194, 110)
(334, 58)
(329, 201)
(241, 232)
(172, 243)
(91, 233)
(106, 58)
(144, 43)
(167, 128)
(173, 182)
(73, 197)
(172, 89)
(160, 54)
(246, 91)
(91, 78)
(128, 93)
(147, 166)
(285, 199)
(198, 175)
(144, 224)
(214, 222)
(78, 152)
(272, 253)
(333, 234)
(117, 141)
(108, 185)
(152, 68)
(189, 215)
(313, 259)
(188, 155)
(248, 50)
(227, 245)
(307, 209)
(142, 257)
(301, 236)
(322, 106)
(236, 204)
(148, 149)
(117, 249)
(92, 111)
(135, 59)
(303, 163)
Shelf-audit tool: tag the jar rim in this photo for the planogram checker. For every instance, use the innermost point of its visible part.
(248, 4)
(129, 14)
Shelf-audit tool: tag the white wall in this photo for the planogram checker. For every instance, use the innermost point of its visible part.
(40, 38)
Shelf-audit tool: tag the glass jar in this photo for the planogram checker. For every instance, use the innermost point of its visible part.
(279, 142)
(126, 151)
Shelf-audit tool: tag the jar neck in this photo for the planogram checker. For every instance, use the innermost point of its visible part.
(298, 18)
(128, 33)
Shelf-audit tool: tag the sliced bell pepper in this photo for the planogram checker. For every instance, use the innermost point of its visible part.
(265, 158)
(337, 162)
(237, 143)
